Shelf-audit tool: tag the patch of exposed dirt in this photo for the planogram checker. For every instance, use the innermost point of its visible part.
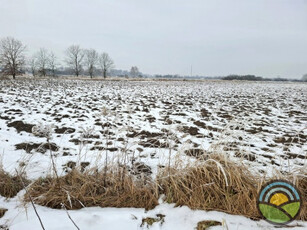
(139, 168)
(191, 130)
(153, 143)
(69, 165)
(20, 126)
(39, 147)
(64, 130)
(2, 212)
(247, 156)
(144, 134)
(207, 224)
(205, 113)
(101, 148)
(200, 124)
(77, 141)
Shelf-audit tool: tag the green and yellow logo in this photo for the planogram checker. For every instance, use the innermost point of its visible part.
(279, 202)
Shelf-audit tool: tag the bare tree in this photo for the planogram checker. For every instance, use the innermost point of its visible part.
(52, 63)
(106, 63)
(74, 58)
(42, 57)
(91, 60)
(134, 71)
(33, 66)
(12, 57)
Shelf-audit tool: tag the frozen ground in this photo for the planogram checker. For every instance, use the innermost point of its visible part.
(262, 124)
(181, 218)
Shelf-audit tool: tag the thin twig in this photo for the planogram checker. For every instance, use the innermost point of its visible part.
(63, 206)
(31, 201)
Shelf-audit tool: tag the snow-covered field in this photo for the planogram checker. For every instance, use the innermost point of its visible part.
(263, 124)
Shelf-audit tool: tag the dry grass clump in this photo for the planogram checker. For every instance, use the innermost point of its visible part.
(300, 180)
(10, 185)
(91, 188)
(215, 184)
(302, 187)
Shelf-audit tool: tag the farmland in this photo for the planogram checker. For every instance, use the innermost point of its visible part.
(264, 124)
(49, 125)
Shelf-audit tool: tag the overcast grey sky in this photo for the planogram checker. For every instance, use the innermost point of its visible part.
(217, 37)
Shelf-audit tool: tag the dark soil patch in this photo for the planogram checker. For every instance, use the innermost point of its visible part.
(84, 165)
(77, 141)
(225, 115)
(2, 212)
(64, 130)
(207, 224)
(153, 143)
(247, 156)
(150, 119)
(168, 121)
(252, 130)
(267, 156)
(91, 136)
(179, 114)
(20, 126)
(205, 113)
(200, 124)
(16, 111)
(39, 147)
(5, 118)
(66, 154)
(112, 149)
(69, 165)
(272, 145)
(144, 134)
(191, 130)
(139, 149)
(101, 148)
(106, 132)
(294, 155)
(139, 168)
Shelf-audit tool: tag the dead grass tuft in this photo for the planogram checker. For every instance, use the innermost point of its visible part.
(216, 184)
(302, 187)
(10, 185)
(300, 180)
(86, 189)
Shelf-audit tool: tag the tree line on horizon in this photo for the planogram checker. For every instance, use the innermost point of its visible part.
(13, 61)
(258, 78)
(78, 60)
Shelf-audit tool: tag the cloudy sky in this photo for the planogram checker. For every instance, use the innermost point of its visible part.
(217, 37)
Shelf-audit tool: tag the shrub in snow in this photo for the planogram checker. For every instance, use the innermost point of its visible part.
(41, 130)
